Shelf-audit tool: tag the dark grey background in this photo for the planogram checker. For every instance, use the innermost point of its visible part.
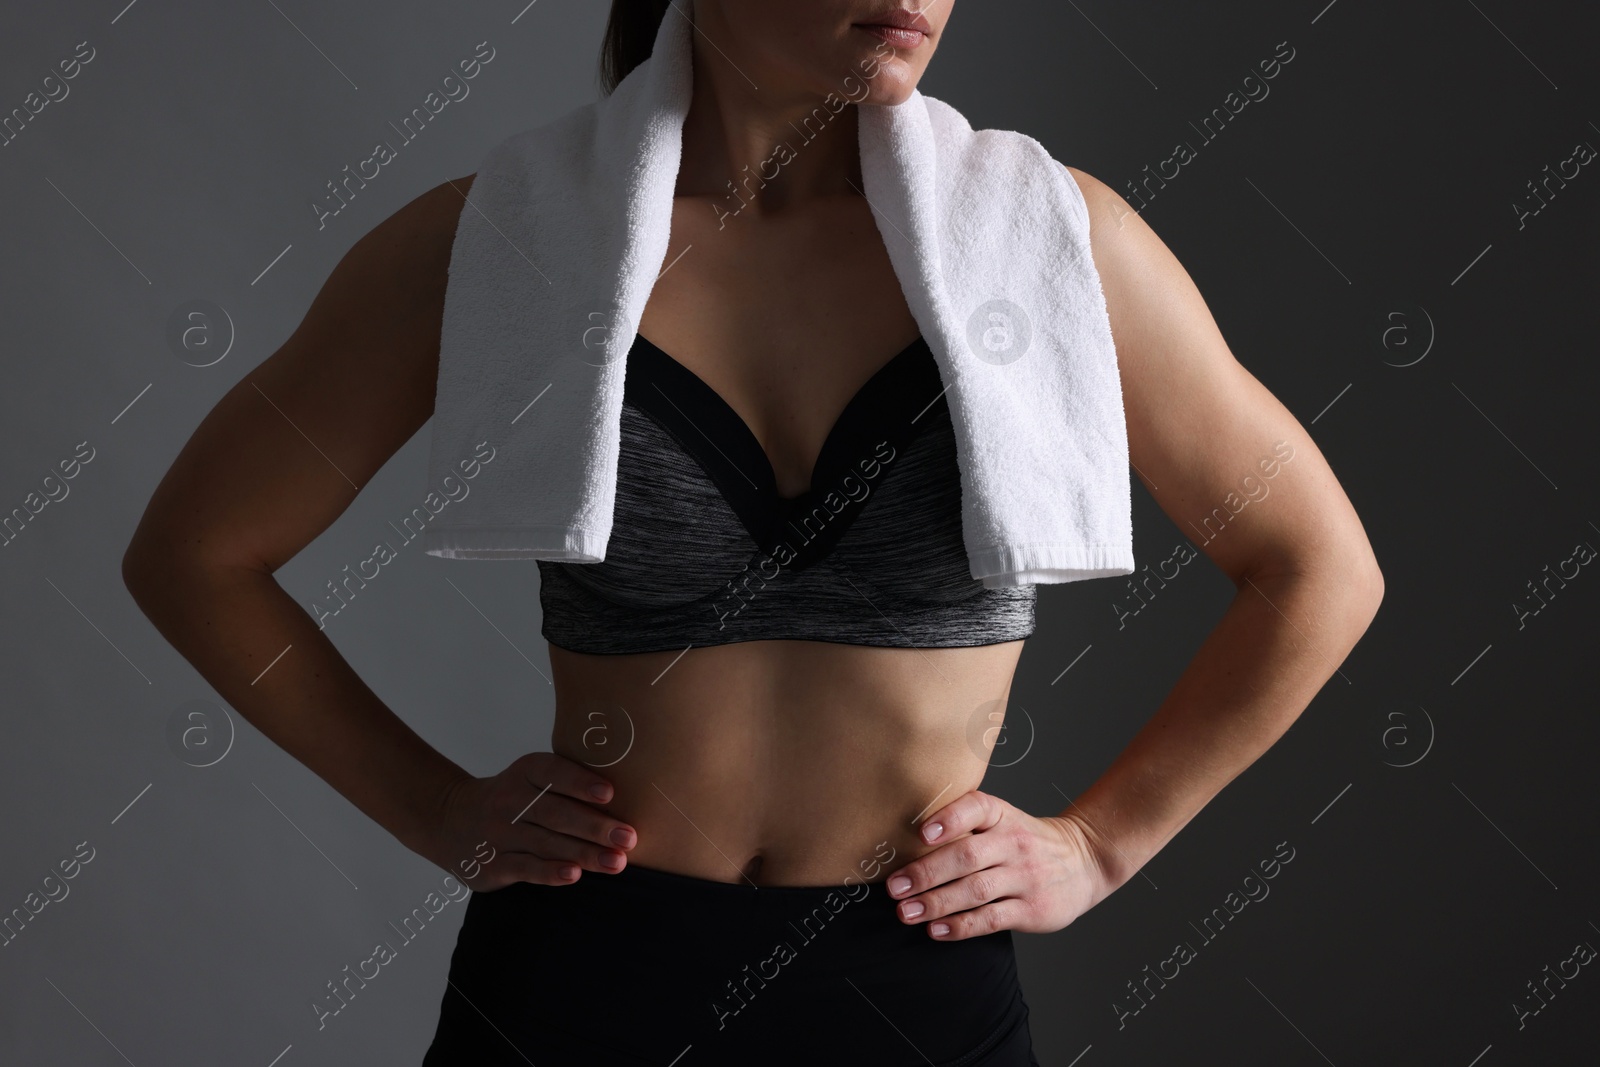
(1357, 217)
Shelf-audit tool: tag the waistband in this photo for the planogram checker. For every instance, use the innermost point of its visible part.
(672, 882)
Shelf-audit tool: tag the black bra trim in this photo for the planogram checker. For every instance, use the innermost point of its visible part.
(884, 416)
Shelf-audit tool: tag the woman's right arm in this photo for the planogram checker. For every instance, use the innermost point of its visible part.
(278, 459)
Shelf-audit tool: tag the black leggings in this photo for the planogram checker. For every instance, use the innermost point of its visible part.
(652, 969)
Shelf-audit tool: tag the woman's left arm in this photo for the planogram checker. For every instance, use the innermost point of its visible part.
(1219, 453)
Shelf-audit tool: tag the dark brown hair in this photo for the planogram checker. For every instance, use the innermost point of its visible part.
(630, 35)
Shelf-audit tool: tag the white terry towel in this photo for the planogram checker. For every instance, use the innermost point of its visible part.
(566, 230)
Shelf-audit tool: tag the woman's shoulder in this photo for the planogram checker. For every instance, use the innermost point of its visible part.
(411, 248)
(1119, 239)
(437, 208)
(1101, 200)
(389, 287)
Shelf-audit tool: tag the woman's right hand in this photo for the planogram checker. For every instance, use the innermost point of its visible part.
(538, 821)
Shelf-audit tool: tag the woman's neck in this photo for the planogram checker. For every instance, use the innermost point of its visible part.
(779, 146)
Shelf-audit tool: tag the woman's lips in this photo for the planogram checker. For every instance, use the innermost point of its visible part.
(895, 35)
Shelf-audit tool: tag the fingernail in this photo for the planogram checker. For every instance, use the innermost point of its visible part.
(569, 873)
(600, 791)
(611, 861)
(620, 836)
(899, 885)
(912, 909)
(932, 831)
(940, 929)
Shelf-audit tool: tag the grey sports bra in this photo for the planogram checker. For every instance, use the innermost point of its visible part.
(703, 550)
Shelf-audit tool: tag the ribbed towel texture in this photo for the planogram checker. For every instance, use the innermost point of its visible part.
(566, 230)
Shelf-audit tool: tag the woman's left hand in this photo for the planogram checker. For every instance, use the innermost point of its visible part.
(1013, 871)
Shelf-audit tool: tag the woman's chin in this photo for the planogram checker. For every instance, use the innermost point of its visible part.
(892, 83)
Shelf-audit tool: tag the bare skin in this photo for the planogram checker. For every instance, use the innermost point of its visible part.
(777, 762)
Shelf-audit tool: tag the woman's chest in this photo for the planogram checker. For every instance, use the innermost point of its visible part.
(784, 318)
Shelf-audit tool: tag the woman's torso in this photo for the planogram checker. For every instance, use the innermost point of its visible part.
(784, 762)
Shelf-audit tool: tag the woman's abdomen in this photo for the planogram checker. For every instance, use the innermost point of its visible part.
(794, 763)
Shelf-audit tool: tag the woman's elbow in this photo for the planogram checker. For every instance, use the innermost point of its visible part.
(1371, 583)
(1360, 585)
(140, 569)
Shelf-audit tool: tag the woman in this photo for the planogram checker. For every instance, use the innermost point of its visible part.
(772, 847)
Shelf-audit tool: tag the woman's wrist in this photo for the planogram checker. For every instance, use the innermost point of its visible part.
(426, 803)
(1100, 852)
(1122, 838)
